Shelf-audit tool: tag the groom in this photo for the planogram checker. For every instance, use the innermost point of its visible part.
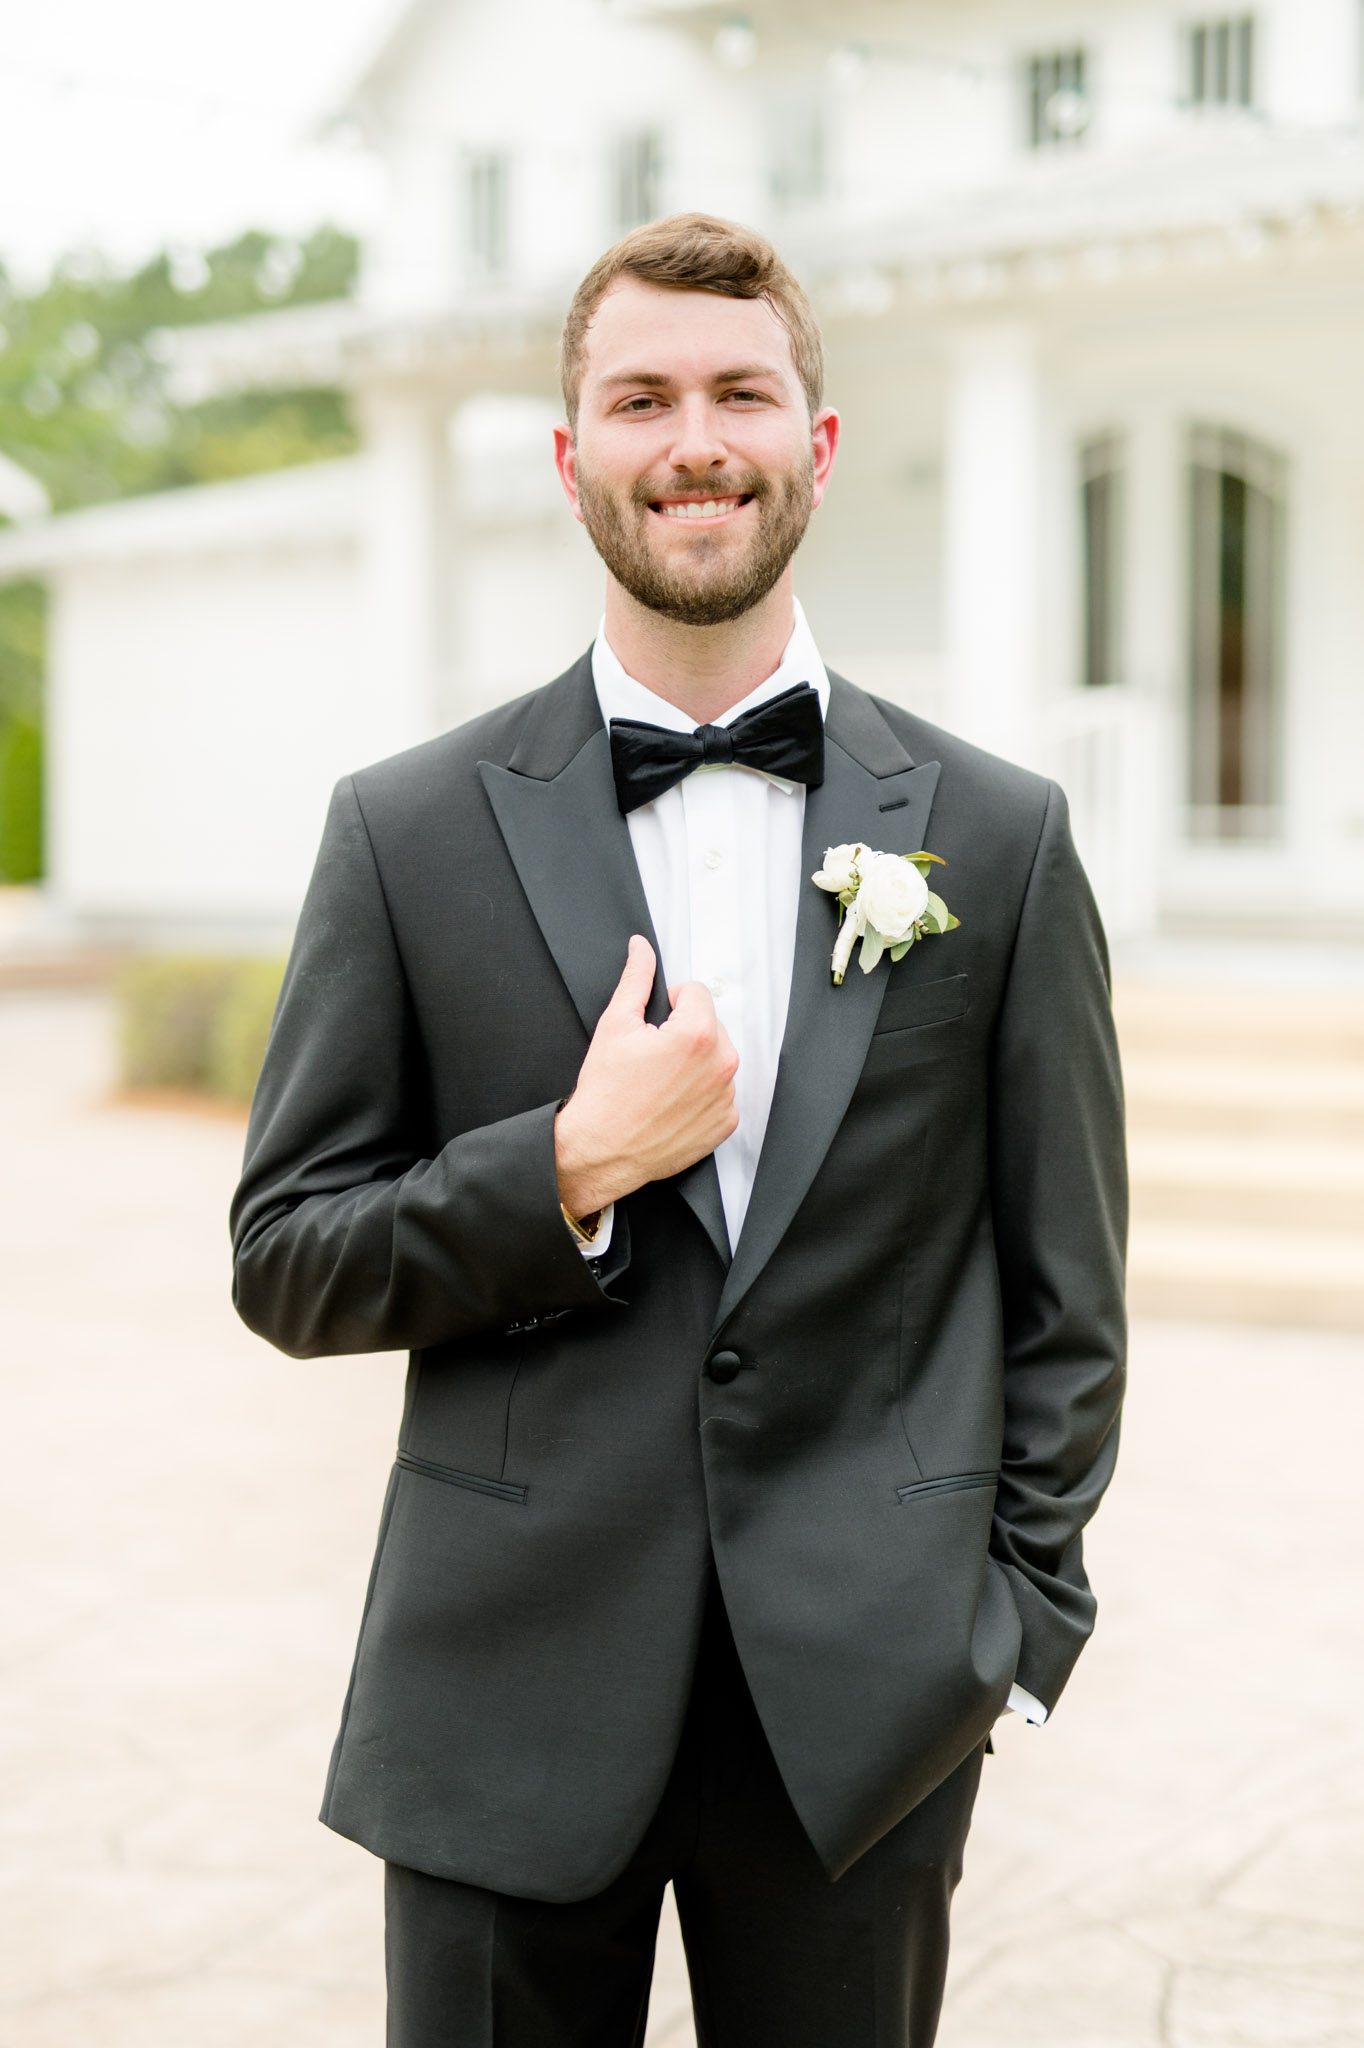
(766, 1328)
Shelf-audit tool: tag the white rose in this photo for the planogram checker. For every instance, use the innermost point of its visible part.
(893, 896)
(839, 870)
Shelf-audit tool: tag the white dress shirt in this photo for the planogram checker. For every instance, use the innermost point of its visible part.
(719, 855)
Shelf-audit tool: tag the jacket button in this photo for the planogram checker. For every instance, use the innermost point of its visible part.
(723, 1367)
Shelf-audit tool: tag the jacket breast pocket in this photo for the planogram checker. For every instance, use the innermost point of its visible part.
(922, 1020)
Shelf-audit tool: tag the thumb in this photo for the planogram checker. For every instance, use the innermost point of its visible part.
(636, 983)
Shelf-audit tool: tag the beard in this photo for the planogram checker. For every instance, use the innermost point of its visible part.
(715, 583)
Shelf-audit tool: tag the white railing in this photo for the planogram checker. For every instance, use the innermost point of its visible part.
(1104, 747)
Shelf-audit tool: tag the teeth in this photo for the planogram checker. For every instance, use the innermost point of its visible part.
(712, 508)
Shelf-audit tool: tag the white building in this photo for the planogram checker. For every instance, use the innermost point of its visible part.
(1092, 281)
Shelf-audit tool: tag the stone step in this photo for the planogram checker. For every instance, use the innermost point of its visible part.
(1174, 1092)
(1300, 1026)
(1246, 1136)
(1281, 1184)
(1248, 1274)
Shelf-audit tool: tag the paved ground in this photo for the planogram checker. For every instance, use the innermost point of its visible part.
(186, 1523)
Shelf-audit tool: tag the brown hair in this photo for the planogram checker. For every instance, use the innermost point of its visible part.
(695, 252)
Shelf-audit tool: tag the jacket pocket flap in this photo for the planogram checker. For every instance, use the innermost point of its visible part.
(473, 1482)
(924, 1002)
(955, 1482)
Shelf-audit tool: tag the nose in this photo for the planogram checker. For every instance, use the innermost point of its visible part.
(697, 444)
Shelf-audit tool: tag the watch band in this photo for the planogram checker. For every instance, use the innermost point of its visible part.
(584, 1228)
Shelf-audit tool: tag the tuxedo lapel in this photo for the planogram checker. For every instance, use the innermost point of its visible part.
(555, 806)
(871, 791)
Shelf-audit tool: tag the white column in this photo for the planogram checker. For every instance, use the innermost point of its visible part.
(410, 562)
(992, 516)
(1157, 625)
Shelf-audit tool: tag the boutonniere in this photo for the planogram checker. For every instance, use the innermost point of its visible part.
(884, 900)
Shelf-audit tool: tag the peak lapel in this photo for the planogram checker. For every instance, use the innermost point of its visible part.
(828, 1029)
(571, 849)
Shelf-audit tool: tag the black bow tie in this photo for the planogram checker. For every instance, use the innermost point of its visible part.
(783, 737)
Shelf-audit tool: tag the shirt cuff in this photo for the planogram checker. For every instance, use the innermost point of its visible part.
(1020, 1702)
(596, 1246)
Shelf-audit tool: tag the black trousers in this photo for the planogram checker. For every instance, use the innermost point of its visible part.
(778, 1956)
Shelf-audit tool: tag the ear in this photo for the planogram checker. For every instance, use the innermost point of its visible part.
(824, 441)
(566, 462)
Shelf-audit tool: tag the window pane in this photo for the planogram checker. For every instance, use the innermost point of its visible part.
(1245, 62)
(1221, 61)
(1038, 96)
(1101, 562)
(1236, 585)
(799, 174)
(638, 168)
(488, 237)
(1056, 109)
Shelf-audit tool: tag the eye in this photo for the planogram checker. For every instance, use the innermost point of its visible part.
(641, 404)
(746, 397)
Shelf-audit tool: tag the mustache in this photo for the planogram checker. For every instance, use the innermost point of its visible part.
(751, 485)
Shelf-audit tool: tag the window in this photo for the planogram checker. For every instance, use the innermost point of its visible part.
(799, 156)
(638, 180)
(1101, 492)
(1057, 101)
(487, 216)
(1222, 63)
(1236, 578)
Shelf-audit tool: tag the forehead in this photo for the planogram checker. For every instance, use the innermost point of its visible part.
(682, 334)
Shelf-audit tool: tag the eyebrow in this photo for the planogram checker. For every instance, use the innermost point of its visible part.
(653, 380)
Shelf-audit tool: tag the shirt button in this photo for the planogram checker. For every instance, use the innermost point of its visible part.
(714, 858)
(716, 985)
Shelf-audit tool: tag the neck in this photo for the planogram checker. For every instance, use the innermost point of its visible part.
(702, 670)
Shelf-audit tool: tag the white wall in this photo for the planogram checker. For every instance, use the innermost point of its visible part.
(528, 590)
(201, 710)
(1309, 61)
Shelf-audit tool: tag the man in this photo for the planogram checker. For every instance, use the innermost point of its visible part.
(766, 1328)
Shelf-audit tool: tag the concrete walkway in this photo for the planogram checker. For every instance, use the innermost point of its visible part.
(186, 1522)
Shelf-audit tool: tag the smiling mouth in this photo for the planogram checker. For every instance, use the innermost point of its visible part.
(693, 509)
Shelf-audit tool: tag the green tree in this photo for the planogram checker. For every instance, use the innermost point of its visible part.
(83, 400)
(21, 800)
(22, 621)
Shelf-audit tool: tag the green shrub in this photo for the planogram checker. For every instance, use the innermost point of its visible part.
(241, 1028)
(198, 1023)
(21, 800)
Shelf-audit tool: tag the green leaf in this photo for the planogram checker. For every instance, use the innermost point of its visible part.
(873, 946)
(937, 915)
(898, 952)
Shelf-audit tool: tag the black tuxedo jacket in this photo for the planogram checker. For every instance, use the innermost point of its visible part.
(925, 1304)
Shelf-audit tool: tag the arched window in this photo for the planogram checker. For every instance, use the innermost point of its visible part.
(1236, 587)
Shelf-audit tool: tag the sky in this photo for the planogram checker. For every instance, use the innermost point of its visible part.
(132, 125)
